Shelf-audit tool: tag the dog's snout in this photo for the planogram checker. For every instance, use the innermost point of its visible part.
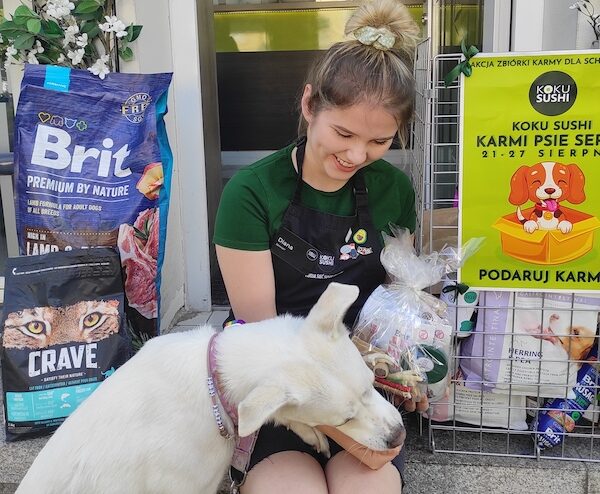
(549, 191)
(397, 438)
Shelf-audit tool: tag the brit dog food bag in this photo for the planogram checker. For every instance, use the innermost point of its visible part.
(63, 332)
(93, 168)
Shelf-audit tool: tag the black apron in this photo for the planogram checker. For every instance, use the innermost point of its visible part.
(312, 248)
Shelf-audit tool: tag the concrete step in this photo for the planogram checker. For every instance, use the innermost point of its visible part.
(426, 472)
(477, 473)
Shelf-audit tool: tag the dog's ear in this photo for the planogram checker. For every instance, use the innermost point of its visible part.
(328, 313)
(576, 183)
(518, 187)
(260, 404)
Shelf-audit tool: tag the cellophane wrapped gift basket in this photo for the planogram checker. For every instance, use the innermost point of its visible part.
(402, 330)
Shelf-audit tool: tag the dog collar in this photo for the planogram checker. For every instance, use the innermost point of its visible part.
(235, 322)
(243, 445)
(216, 396)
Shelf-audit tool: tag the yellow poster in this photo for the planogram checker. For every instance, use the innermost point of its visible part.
(530, 171)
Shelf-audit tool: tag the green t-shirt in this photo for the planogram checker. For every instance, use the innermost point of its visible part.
(254, 200)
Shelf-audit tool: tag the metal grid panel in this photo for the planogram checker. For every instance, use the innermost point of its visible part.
(435, 175)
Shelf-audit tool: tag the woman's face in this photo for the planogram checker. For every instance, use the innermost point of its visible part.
(342, 141)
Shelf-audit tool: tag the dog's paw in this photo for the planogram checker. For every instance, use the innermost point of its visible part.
(565, 226)
(530, 226)
(311, 436)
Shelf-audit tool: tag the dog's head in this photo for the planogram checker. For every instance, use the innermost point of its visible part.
(578, 342)
(544, 181)
(324, 381)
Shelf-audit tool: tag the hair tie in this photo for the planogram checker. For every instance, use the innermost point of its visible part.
(378, 37)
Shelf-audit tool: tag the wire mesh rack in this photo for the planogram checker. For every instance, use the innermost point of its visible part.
(522, 377)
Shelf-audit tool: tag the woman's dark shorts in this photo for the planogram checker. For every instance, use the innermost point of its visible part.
(275, 439)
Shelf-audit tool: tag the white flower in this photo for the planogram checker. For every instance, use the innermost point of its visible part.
(61, 58)
(70, 35)
(11, 51)
(100, 68)
(114, 25)
(31, 57)
(59, 8)
(120, 29)
(38, 47)
(76, 56)
(107, 26)
(82, 40)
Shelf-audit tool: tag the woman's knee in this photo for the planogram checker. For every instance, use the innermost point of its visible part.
(291, 472)
(346, 475)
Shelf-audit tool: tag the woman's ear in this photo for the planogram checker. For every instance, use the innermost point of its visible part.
(306, 113)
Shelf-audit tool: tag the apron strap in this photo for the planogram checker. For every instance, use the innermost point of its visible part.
(300, 147)
(361, 197)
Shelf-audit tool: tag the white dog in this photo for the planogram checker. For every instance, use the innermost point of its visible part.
(150, 427)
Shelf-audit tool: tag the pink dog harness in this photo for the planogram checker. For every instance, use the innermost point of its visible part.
(243, 445)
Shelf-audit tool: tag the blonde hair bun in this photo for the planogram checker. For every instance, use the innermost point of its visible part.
(386, 20)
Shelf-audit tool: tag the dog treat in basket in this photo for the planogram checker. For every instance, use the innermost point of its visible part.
(370, 457)
(402, 331)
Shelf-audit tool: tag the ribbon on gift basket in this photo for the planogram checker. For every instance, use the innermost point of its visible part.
(464, 66)
(455, 290)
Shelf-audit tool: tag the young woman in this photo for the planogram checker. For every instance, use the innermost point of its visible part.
(313, 213)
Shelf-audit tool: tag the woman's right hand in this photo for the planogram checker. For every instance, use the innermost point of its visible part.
(249, 281)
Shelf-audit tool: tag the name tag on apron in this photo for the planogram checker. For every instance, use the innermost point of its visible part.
(303, 256)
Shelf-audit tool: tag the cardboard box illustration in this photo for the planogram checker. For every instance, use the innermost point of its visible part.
(547, 246)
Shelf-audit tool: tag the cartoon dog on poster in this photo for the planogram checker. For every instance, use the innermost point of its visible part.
(547, 184)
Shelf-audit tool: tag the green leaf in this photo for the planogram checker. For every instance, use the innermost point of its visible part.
(42, 58)
(11, 30)
(126, 54)
(24, 11)
(52, 53)
(6, 24)
(133, 32)
(87, 7)
(52, 28)
(91, 29)
(34, 26)
(20, 20)
(93, 16)
(12, 34)
(24, 41)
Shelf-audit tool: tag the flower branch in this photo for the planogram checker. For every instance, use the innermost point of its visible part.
(83, 34)
(586, 8)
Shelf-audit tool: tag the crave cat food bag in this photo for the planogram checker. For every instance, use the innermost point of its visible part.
(63, 332)
(93, 168)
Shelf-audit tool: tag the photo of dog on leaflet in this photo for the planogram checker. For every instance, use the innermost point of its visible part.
(154, 427)
(577, 343)
(546, 185)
